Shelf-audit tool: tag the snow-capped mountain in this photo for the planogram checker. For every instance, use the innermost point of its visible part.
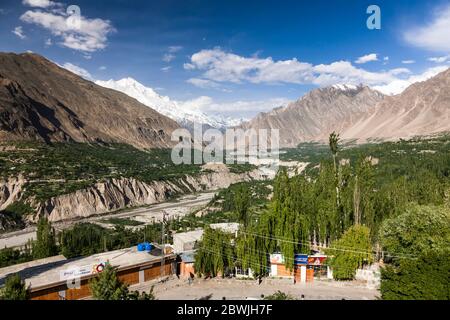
(185, 116)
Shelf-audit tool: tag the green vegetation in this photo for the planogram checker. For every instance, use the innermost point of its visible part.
(350, 252)
(423, 278)
(18, 209)
(62, 168)
(279, 296)
(257, 193)
(417, 244)
(417, 230)
(87, 239)
(9, 256)
(14, 289)
(351, 199)
(107, 286)
(215, 253)
(342, 202)
(45, 244)
(242, 205)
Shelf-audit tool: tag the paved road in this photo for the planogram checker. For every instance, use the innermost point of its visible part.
(181, 207)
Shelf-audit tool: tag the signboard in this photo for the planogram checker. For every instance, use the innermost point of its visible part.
(301, 259)
(78, 272)
(316, 260)
(276, 258)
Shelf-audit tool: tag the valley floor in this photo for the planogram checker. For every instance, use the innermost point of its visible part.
(148, 215)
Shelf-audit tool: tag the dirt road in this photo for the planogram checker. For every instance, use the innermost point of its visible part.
(234, 289)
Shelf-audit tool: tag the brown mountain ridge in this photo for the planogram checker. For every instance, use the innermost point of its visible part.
(41, 101)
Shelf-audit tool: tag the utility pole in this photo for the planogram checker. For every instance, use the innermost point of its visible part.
(163, 243)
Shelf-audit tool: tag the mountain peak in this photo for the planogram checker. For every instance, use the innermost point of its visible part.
(184, 115)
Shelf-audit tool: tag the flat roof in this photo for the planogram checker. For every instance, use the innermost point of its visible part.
(56, 270)
(230, 227)
(190, 236)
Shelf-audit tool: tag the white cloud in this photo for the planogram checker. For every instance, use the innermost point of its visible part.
(166, 69)
(398, 86)
(408, 61)
(168, 57)
(77, 70)
(243, 108)
(170, 54)
(188, 66)
(217, 66)
(18, 31)
(48, 42)
(39, 3)
(89, 35)
(203, 83)
(440, 59)
(434, 36)
(174, 49)
(367, 58)
(220, 66)
(102, 68)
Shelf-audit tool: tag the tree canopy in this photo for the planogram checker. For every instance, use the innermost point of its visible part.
(14, 289)
(215, 253)
(350, 252)
(417, 230)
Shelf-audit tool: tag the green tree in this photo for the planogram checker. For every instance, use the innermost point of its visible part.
(350, 252)
(425, 277)
(107, 286)
(14, 289)
(242, 204)
(418, 230)
(82, 240)
(334, 147)
(215, 253)
(279, 295)
(135, 295)
(45, 244)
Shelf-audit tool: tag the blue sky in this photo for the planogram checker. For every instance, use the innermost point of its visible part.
(239, 56)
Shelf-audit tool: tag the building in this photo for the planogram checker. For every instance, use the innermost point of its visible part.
(186, 241)
(278, 268)
(229, 227)
(186, 262)
(57, 278)
(306, 267)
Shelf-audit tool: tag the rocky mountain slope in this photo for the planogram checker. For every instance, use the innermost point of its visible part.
(318, 113)
(422, 109)
(41, 101)
(360, 113)
(115, 194)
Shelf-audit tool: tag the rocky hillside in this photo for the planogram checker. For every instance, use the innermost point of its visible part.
(318, 113)
(361, 113)
(422, 109)
(115, 194)
(41, 101)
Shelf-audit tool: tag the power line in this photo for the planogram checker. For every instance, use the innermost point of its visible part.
(405, 256)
